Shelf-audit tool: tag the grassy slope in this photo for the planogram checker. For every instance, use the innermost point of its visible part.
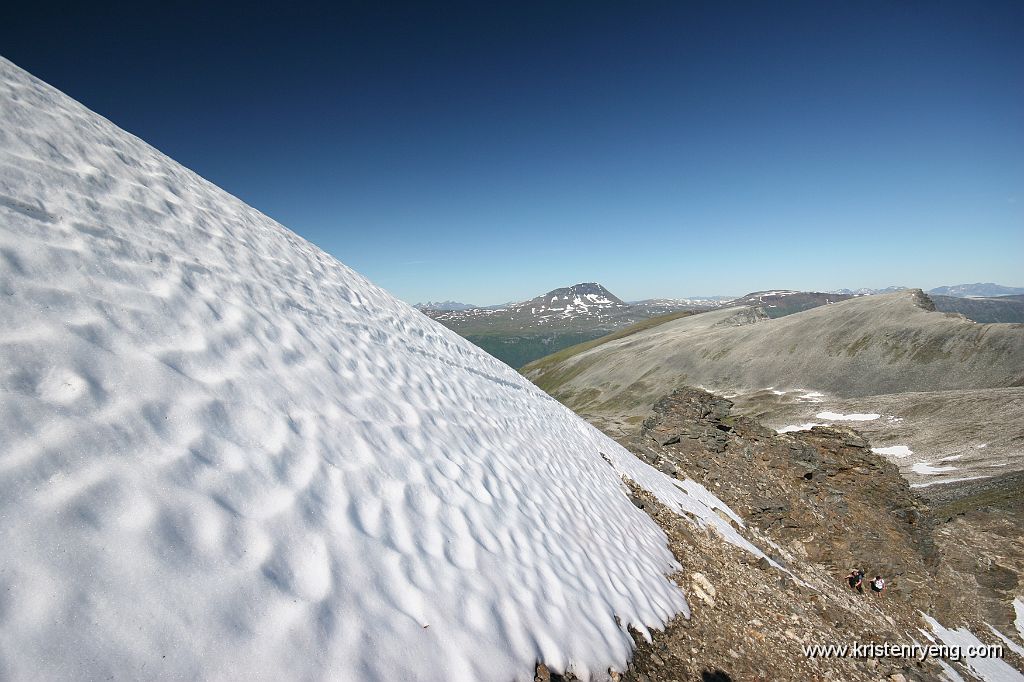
(516, 350)
(542, 366)
(864, 346)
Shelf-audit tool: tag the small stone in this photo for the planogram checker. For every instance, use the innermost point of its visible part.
(704, 590)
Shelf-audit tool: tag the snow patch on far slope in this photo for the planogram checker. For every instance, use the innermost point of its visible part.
(988, 669)
(894, 451)
(835, 416)
(224, 454)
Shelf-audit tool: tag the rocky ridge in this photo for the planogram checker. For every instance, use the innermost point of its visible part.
(819, 503)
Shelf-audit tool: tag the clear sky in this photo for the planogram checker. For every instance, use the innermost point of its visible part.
(487, 152)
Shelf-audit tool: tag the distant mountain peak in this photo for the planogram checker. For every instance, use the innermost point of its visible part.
(587, 290)
(577, 298)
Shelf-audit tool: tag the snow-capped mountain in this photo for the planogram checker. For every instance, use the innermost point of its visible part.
(518, 333)
(866, 291)
(586, 299)
(670, 304)
(224, 454)
(977, 290)
(584, 306)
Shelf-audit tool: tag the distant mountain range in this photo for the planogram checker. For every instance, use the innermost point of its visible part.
(979, 309)
(728, 349)
(517, 333)
(863, 291)
(444, 305)
(892, 365)
(583, 307)
(977, 290)
(782, 302)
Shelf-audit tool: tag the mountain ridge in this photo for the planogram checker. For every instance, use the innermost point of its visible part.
(518, 333)
(986, 289)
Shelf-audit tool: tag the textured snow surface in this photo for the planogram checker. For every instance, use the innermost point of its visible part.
(224, 454)
(1010, 644)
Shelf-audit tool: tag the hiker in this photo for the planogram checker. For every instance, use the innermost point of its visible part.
(856, 580)
(877, 585)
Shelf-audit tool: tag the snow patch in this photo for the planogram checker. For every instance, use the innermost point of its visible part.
(926, 469)
(221, 445)
(800, 427)
(1012, 645)
(893, 451)
(988, 669)
(943, 481)
(835, 416)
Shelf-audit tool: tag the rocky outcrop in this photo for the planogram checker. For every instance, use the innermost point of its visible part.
(818, 503)
(821, 493)
(751, 621)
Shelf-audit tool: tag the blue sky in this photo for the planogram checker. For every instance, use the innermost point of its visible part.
(488, 152)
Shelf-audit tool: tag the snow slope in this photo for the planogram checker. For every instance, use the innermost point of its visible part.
(224, 454)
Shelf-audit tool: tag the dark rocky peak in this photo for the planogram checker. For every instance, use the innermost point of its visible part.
(922, 300)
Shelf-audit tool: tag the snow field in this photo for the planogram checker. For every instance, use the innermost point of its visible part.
(224, 454)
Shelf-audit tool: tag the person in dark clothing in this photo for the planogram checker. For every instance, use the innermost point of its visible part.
(856, 580)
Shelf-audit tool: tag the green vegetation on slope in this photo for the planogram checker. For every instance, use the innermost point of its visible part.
(516, 350)
(545, 363)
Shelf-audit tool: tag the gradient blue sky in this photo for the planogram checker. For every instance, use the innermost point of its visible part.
(489, 152)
